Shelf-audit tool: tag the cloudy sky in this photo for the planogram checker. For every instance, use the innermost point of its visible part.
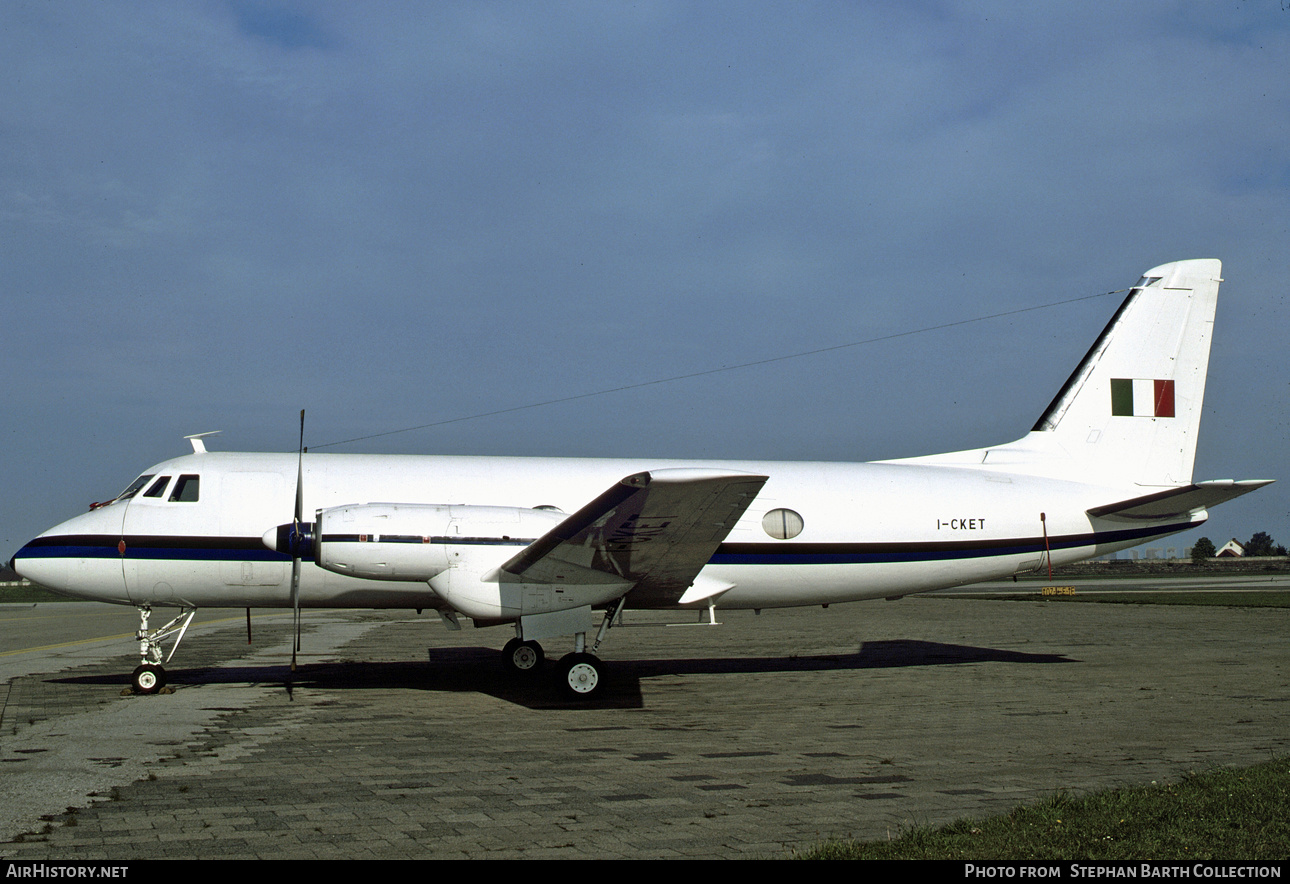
(215, 213)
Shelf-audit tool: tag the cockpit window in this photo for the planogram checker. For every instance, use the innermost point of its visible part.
(158, 487)
(134, 487)
(185, 489)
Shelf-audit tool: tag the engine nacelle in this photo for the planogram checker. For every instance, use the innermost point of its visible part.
(492, 595)
(415, 542)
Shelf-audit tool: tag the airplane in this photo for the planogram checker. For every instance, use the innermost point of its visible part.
(545, 545)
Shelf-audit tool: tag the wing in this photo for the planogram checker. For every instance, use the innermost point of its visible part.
(655, 530)
(1178, 501)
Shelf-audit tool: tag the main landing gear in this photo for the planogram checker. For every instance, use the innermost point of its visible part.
(150, 676)
(579, 675)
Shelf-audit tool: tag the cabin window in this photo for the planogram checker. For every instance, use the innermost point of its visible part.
(185, 489)
(158, 487)
(782, 524)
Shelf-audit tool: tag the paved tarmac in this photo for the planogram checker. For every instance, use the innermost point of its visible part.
(400, 739)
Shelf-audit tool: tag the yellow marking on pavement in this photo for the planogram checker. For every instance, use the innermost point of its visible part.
(128, 635)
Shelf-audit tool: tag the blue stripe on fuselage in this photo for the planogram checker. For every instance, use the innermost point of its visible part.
(931, 551)
(214, 549)
(244, 549)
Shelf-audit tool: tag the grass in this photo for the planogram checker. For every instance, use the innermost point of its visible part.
(1258, 599)
(1231, 813)
(31, 593)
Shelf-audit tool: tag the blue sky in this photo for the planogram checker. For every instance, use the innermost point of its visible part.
(214, 214)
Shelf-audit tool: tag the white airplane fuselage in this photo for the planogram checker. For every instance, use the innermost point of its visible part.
(541, 543)
(867, 530)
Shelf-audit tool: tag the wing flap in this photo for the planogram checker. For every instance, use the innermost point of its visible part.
(655, 530)
(1180, 501)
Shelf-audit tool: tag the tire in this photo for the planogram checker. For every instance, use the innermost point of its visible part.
(148, 679)
(580, 676)
(522, 658)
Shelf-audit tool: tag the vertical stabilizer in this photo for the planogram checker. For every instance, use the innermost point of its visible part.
(1132, 407)
(1130, 413)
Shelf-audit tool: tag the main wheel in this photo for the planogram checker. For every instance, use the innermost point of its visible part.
(580, 675)
(522, 658)
(148, 679)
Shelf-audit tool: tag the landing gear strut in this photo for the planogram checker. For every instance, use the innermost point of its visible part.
(581, 673)
(150, 676)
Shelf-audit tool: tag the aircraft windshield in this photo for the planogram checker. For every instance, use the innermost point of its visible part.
(134, 488)
(127, 493)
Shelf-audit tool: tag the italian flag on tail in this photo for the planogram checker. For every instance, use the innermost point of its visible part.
(1139, 397)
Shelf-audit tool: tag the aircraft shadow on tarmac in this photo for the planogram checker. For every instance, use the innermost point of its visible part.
(477, 670)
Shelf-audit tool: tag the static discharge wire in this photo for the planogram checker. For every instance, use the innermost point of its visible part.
(711, 371)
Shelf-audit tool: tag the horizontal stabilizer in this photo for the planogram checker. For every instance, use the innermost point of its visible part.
(1178, 501)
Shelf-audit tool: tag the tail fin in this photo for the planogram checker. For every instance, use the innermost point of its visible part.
(1130, 413)
(1133, 405)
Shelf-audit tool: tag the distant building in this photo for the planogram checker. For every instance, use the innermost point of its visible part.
(1231, 549)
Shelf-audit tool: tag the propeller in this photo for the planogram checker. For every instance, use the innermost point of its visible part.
(297, 541)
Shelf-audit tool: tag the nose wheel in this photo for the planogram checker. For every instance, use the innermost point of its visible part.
(148, 679)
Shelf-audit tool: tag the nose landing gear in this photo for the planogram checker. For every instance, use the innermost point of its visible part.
(150, 677)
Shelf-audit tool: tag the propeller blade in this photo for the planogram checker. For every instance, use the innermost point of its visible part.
(295, 605)
(295, 540)
(300, 471)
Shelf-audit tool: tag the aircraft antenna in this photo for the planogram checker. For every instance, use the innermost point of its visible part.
(711, 371)
(199, 446)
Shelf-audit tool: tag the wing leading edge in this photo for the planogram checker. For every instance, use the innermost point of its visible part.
(655, 530)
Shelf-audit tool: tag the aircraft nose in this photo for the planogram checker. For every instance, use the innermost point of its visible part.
(80, 557)
(40, 565)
